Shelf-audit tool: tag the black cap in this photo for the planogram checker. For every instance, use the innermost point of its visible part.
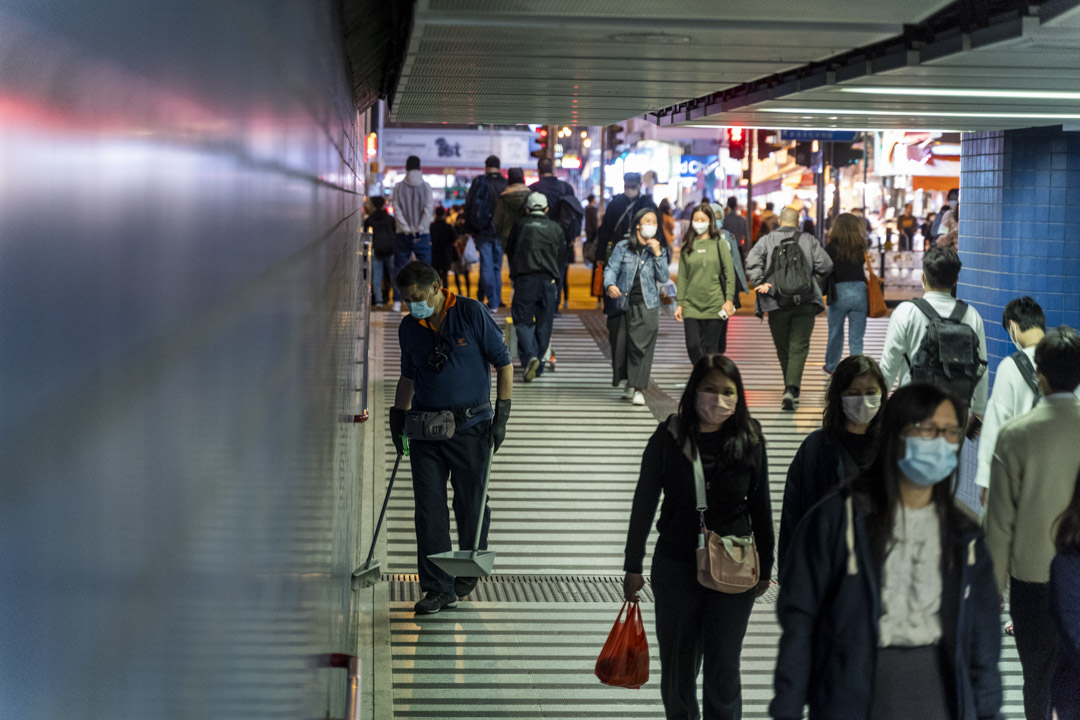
(631, 178)
(413, 163)
(515, 176)
(492, 161)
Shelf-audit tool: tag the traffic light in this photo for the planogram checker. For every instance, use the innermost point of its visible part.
(614, 137)
(543, 140)
(804, 154)
(736, 143)
(766, 144)
(844, 154)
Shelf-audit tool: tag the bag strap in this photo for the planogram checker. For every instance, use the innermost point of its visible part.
(927, 309)
(1027, 371)
(957, 314)
(699, 491)
(869, 267)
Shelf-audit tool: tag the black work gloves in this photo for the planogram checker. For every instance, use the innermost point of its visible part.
(498, 423)
(397, 429)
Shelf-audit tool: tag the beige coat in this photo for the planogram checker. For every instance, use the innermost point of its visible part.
(1032, 479)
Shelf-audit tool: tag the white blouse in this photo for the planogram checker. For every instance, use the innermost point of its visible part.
(911, 583)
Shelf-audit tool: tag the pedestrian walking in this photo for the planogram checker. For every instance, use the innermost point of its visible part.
(461, 265)
(706, 286)
(414, 209)
(1065, 611)
(448, 346)
(616, 224)
(667, 222)
(443, 252)
(511, 204)
(887, 601)
(845, 445)
(1032, 478)
(907, 225)
(480, 203)
(920, 329)
(736, 254)
(636, 265)
(536, 249)
(565, 210)
(698, 628)
(847, 289)
(383, 236)
(735, 224)
(782, 266)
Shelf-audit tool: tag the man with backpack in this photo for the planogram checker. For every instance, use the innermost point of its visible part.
(782, 266)
(480, 204)
(563, 208)
(937, 338)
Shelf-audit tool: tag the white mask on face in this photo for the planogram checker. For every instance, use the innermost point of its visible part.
(648, 231)
(700, 227)
(1015, 336)
(861, 409)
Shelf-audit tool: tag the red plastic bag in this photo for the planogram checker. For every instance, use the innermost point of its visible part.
(624, 661)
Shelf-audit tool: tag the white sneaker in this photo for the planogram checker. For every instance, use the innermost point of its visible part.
(628, 392)
(397, 306)
(639, 399)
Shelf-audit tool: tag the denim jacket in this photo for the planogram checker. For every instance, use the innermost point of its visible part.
(624, 264)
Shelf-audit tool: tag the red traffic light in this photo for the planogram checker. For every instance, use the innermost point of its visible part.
(543, 132)
(736, 143)
(735, 134)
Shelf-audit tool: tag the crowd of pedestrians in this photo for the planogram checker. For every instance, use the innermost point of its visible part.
(890, 596)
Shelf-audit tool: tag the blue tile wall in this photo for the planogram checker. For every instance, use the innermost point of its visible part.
(1019, 235)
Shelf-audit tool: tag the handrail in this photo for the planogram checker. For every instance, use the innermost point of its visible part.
(364, 281)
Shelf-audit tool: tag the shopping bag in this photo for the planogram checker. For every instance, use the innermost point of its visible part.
(624, 661)
(667, 292)
(471, 255)
(875, 297)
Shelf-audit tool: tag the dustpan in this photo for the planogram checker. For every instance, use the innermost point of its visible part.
(370, 572)
(475, 562)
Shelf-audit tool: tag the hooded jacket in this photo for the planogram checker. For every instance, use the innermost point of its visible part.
(414, 205)
(830, 607)
(536, 245)
(509, 209)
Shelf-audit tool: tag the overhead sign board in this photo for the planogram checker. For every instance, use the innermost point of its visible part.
(691, 165)
(821, 135)
(455, 148)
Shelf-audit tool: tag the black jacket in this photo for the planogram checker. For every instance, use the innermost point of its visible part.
(536, 245)
(383, 232)
(738, 504)
(820, 466)
(830, 606)
(496, 184)
(443, 253)
(617, 218)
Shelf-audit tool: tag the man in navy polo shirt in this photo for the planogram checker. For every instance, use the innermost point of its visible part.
(448, 346)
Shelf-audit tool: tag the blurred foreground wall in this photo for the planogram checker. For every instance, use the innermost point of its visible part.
(180, 186)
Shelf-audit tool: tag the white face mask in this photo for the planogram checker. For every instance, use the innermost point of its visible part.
(647, 231)
(700, 227)
(1015, 337)
(861, 409)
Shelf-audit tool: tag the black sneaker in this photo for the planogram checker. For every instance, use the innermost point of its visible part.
(795, 392)
(788, 402)
(433, 602)
(464, 585)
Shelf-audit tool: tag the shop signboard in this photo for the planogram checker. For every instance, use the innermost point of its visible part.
(691, 165)
(455, 148)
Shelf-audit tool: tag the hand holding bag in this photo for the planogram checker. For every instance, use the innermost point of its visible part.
(730, 563)
(875, 297)
(624, 661)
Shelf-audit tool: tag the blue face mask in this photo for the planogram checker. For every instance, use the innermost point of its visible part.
(928, 461)
(421, 310)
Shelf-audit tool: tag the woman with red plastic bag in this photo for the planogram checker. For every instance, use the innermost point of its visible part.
(698, 628)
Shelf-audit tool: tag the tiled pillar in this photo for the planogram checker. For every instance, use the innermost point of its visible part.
(1019, 235)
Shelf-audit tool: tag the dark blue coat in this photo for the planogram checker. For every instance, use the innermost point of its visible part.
(1065, 608)
(830, 606)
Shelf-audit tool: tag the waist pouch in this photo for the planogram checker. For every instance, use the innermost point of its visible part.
(437, 425)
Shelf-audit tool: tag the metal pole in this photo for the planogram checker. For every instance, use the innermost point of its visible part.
(603, 172)
(821, 195)
(750, 191)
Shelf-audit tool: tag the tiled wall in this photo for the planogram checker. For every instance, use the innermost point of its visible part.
(1019, 233)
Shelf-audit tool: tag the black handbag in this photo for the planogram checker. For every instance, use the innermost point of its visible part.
(614, 307)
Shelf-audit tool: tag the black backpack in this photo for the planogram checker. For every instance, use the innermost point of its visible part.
(790, 273)
(481, 206)
(569, 213)
(948, 355)
(1027, 371)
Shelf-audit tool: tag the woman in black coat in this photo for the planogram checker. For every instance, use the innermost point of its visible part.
(1065, 609)
(887, 602)
(844, 446)
(697, 628)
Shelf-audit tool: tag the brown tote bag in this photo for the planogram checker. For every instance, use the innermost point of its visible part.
(875, 297)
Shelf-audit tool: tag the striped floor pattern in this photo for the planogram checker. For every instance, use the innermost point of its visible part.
(561, 493)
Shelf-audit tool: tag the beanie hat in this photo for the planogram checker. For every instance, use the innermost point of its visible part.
(515, 176)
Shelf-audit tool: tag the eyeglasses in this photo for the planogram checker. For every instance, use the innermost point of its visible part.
(951, 433)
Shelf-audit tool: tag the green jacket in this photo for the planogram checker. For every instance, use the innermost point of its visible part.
(536, 245)
(699, 290)
(509, 209)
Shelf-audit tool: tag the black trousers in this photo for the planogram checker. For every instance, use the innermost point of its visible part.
(705, 337)
(1036, 643)
(462, 459)
(698, 629)
(533, 310)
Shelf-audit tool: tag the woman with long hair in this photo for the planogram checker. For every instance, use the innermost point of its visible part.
(847, 289)
(698, 628)
(843, 447)
(706, 286)
(1065, 609)
(888, 602)
(633, 303)
(667, 223)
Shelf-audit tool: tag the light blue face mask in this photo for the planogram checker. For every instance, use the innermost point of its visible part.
(928, 461)
(421, 310)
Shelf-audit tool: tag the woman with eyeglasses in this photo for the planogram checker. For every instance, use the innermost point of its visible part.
(843, 447)
(887, 602)
(633, 303)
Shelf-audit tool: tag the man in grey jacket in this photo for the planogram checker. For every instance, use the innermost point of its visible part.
(791, 323)
(414, 206)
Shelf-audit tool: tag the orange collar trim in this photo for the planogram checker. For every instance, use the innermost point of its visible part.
(451, 301)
